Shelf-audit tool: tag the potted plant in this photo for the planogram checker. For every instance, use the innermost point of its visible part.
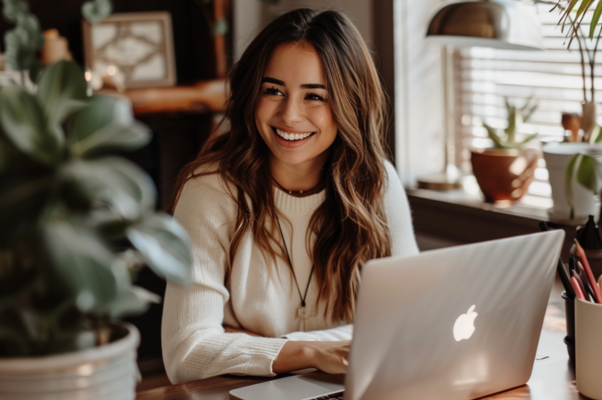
(77, 223)
(505, 171)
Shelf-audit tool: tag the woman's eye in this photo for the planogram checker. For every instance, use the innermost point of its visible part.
(273, 91)
(313, 96)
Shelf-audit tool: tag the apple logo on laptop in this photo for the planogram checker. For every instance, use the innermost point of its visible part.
(464, 326)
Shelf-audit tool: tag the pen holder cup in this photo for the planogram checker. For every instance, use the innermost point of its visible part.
(569, 313)
(588, 333)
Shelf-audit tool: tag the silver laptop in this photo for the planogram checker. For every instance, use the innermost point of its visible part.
(456, 323)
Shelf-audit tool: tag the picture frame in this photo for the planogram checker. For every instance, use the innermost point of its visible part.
(137, 45)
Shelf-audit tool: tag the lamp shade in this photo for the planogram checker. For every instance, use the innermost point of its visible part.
(489, 23)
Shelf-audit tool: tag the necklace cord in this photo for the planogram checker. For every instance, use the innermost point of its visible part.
(296, 191)
(290, 264)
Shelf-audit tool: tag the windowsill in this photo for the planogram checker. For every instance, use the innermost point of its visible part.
(531, 207)
(462, 216)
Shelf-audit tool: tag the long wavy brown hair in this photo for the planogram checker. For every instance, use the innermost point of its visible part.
(350, 227)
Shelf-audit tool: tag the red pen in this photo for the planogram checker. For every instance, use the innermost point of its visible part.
(577, 288)
(588, 272)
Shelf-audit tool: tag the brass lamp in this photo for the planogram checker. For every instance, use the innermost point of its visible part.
(500, 24)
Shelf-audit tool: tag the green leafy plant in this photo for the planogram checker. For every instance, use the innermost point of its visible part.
(586, 170)
(77, 222)
(506, 139)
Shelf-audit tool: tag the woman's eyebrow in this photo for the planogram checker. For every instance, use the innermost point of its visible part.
(275, 81)
(313, 86)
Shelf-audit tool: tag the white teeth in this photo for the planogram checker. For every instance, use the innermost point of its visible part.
(292, 136)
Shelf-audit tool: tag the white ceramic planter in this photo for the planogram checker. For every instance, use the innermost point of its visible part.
(557, 156)
(108, 372)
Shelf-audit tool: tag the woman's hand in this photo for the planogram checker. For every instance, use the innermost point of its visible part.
(330, 357)
(229, 329)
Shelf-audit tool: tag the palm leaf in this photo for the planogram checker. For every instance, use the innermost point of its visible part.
(567, 11)
(595, 19)
(583, 8)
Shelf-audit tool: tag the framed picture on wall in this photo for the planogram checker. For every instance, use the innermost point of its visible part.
(137, 45)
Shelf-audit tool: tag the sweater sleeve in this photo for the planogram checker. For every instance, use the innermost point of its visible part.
(195, 345)
(399, 218)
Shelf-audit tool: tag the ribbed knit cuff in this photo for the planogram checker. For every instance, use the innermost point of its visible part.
(263, 352)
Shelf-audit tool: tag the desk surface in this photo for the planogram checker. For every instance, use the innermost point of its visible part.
(552, 378)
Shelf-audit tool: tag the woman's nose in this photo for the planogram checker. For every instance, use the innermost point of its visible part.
(292, 111)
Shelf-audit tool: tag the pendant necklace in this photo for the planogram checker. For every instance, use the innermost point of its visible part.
(302, 312)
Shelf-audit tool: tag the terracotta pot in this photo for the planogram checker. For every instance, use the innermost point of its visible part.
(504, 174)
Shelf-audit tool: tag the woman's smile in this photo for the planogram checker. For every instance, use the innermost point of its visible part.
(291, 138)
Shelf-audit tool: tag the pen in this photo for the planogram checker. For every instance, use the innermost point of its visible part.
(564, 278)
(579, 282)
(588, 272)
(587, 288)
(578, 291)
(571, 264)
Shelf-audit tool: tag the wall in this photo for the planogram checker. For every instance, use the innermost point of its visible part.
(251, 15)
(418, 92)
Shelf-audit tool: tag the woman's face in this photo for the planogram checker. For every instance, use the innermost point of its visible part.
(293, 113)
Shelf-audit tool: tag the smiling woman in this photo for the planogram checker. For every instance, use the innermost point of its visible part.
(286, 208)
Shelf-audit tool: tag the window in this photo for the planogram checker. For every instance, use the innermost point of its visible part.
(553, 77)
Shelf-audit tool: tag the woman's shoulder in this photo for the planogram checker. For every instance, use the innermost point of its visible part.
(389, 168)
(207, 176)
(206, 186)
(391, 173)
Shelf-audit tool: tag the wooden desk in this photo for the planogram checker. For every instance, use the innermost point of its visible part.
(552, 378)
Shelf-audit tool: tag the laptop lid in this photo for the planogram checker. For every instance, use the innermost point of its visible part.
(414, 335)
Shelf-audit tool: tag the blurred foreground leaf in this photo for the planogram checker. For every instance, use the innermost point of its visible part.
(62, 91)
(106, 124)
(82, 263)
(23, 122)
(119, 184)
(134, 301)
(22, 200)
(165, 246)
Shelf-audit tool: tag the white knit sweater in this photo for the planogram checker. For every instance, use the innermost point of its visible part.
(259, 297)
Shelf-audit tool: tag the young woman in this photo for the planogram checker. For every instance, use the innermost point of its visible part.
(285, 208)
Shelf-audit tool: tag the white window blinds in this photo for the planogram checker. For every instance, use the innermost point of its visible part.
(484, 77)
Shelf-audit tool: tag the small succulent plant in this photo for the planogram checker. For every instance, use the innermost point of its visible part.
(516, 117)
